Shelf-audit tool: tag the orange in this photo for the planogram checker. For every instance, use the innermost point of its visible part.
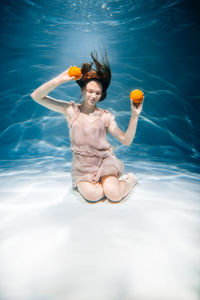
(137, 96)
(75, 71)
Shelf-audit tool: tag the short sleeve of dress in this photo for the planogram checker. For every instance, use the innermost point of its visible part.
(72, 105)
(108, 118)
(72, 112)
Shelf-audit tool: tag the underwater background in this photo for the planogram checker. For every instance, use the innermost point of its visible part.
(153, 46)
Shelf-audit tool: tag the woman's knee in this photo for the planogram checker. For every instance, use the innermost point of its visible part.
(90, 191)
(113, 195)
(111, 188)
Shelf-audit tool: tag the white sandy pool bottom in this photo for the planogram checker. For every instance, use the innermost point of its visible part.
(55, 246)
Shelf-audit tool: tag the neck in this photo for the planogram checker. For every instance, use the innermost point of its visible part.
(87, 109)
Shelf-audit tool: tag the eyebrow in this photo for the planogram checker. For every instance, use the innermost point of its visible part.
(90, 89)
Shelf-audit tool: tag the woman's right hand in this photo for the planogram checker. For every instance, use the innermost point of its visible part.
(64, 76)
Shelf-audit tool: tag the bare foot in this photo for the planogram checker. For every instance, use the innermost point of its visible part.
(128, 182)
(131, 180)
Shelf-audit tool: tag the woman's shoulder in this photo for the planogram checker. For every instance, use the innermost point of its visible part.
(72, 103)
(72, 106)
(104, 111)
(107, 116)
(71, 110)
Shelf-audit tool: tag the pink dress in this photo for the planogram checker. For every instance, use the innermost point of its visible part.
(92, 154)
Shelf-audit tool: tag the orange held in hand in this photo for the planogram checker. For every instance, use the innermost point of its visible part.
(137, 96)
(75, 71)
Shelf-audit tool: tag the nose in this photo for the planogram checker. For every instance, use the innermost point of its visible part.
(93, 95)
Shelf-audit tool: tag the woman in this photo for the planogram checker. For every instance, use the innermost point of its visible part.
(95, 169)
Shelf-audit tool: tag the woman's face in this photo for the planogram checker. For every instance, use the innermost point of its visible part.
(92, 92)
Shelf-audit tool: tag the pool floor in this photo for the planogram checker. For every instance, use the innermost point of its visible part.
(56, 246)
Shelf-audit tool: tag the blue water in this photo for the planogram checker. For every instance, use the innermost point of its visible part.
(152, 46)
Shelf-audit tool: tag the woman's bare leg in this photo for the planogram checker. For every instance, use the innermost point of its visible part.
(114, 189)
(91, 191)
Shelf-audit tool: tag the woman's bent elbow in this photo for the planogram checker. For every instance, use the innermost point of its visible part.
(33, 96)
(126, 143)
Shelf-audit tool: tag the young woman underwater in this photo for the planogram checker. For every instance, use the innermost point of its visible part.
(96, 170)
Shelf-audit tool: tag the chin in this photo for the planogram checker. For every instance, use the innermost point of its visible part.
(92, 102)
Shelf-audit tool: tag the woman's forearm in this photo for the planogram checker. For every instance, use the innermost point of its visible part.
(40, 94)
(50, 85)
(131, 131)
(46, 88)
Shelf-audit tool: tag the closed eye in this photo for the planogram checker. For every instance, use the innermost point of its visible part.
(92, 91)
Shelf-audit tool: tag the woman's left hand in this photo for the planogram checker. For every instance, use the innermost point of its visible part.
(136, 110)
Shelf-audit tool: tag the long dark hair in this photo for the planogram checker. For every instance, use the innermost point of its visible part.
(101, 73)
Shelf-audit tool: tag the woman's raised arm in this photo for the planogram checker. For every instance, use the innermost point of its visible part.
(40, 95)
(127, 137)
